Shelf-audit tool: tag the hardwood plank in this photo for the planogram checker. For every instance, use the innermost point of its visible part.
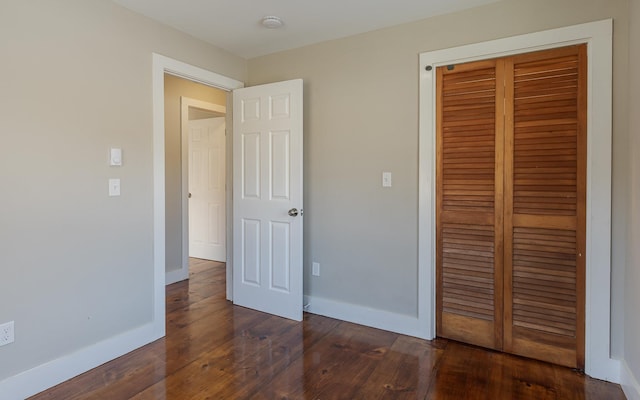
(256, 353)
(337, 366)
(405, 371)
(470, 373)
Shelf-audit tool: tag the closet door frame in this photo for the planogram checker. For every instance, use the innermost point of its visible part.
(598, 37)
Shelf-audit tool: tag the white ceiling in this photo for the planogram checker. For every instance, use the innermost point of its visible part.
(234, 25)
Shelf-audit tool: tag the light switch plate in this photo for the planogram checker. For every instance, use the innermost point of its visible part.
(386, 179)
(115, 157)
(114, 187)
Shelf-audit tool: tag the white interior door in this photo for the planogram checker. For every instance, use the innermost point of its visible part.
(207, 227)
(267, 205)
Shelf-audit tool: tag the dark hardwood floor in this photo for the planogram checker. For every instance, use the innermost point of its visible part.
(214, 350)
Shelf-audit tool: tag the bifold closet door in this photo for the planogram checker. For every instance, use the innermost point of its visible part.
(545, 188)
(510, 204)
(469, 203)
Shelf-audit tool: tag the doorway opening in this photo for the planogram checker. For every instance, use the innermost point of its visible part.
(194, 116)
(162, 66)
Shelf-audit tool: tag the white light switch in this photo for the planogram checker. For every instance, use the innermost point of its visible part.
(114, 187)
(386, 179)
(115, 157)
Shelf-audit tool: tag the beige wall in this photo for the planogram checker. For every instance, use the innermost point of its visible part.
(361, 105)
(77, 265)
(632, 288)
(174, 88)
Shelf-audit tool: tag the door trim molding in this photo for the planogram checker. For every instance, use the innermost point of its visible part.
(598, 36)
(161, 65)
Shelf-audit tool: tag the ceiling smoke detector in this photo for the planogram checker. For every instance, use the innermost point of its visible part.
(272, 22)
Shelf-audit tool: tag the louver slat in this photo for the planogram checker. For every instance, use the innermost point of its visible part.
(544, 280)
(468, 133)
(467, 264)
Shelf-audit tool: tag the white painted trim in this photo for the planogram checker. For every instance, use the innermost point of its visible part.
(629, 383)
(162, 65)
(229, 189)
(197, 74)
(44, 376)
(598, 36)
(176, 275)
(159, 268)
(380, 319)
(185, 103)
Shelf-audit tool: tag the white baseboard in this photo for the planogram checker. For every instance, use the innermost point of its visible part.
(176, 275)
(45, 376)
(385, 320)
(629, 383)
(603, 367)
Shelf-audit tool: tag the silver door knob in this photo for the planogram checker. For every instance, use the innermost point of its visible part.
(189, 195)
(293, 212)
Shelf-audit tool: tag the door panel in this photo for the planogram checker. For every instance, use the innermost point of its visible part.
(250, 165)
(279, 164)
(267, 184)
(279, 260)
(250, 261)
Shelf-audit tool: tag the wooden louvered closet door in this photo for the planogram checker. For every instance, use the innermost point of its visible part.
(513, 266)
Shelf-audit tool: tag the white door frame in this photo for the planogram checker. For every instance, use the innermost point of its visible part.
(161, 65)
(598, 36)
(185, 104)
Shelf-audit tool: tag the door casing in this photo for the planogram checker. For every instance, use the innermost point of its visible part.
(162, 65)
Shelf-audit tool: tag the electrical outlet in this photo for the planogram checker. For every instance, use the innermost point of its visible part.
(315, 269)
(6, 333)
